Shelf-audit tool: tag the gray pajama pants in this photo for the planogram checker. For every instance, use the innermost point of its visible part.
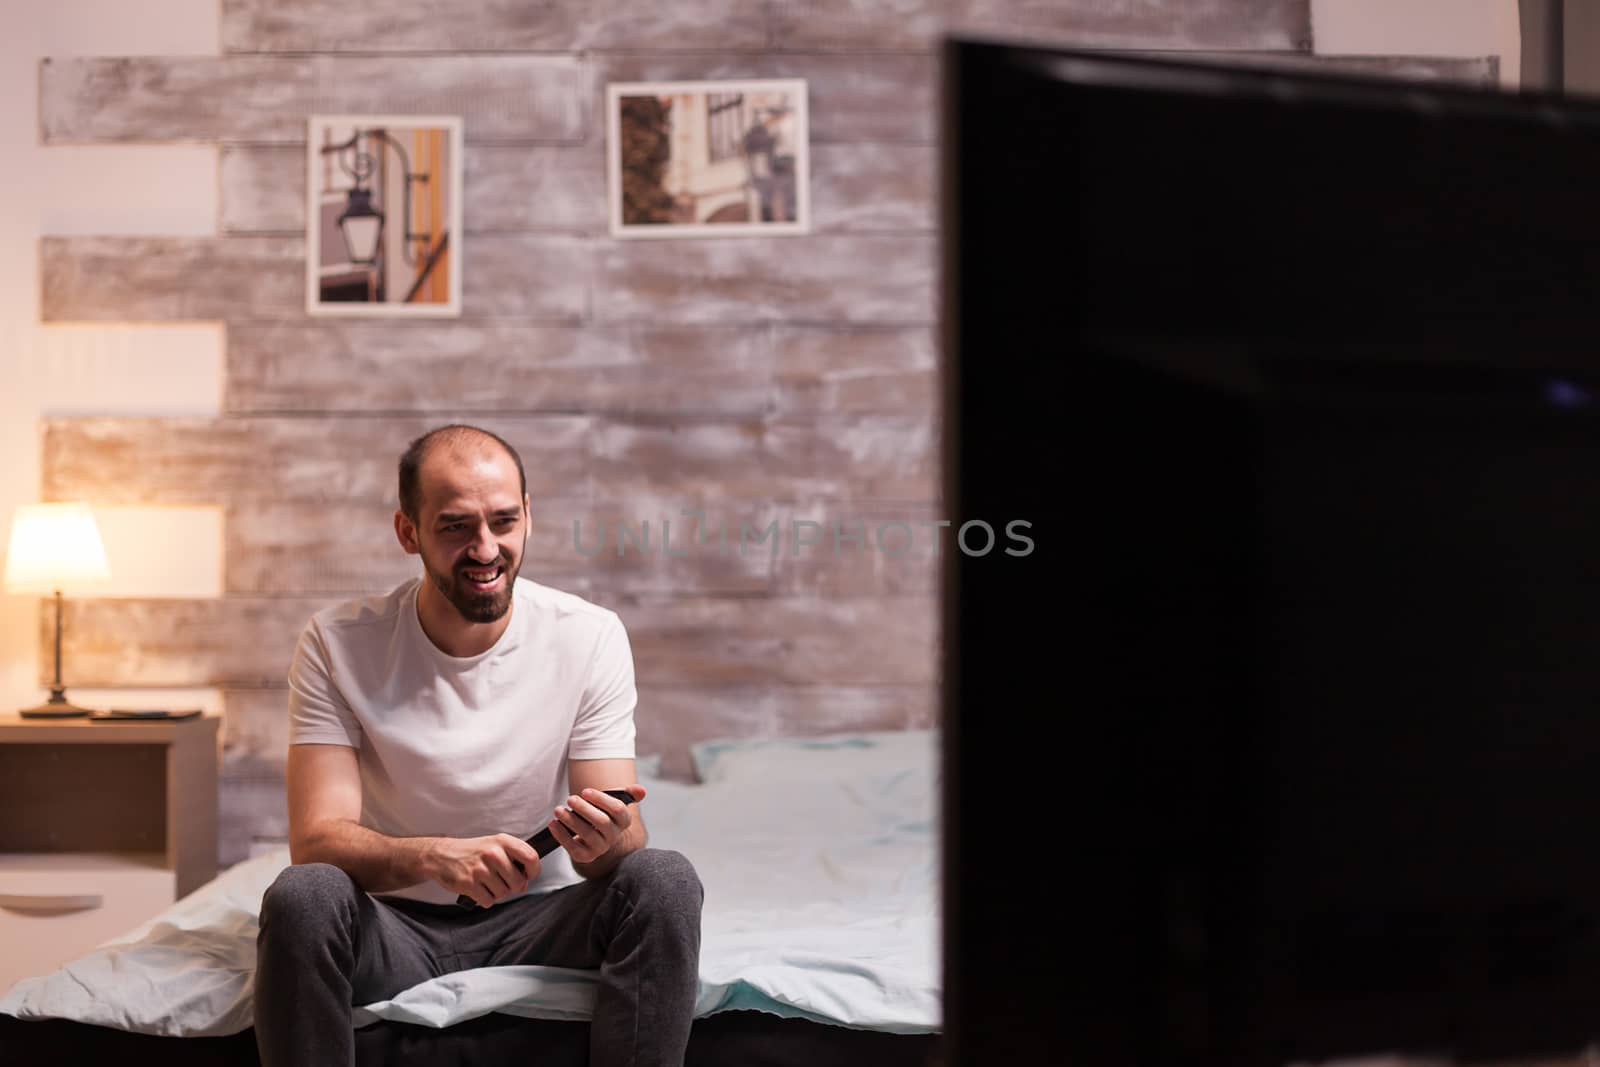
(326, 946)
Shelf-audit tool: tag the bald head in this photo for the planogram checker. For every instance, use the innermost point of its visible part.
(449, 442)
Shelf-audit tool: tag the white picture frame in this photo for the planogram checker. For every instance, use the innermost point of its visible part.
(410, 168)
(708, 158)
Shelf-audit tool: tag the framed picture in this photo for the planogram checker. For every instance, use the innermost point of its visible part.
(708, 159)
(383, 215)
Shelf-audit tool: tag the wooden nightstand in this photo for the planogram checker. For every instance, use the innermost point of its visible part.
(104, 825)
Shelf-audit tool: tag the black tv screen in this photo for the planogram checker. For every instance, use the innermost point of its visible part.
(1283, 742)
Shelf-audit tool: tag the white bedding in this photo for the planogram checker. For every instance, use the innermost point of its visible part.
(819, 858)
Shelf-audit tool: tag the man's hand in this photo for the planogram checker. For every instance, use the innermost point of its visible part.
(592, 823)
(485, 868)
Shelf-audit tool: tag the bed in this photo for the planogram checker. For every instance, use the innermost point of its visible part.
(820, 939)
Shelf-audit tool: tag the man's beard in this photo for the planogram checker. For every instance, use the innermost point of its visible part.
(473, 605)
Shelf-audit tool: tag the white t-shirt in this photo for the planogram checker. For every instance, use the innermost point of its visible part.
(464, 747)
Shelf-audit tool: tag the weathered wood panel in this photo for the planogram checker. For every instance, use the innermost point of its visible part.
(885, 98)
(856, 279)
(330, 461)
(646, 545)
(811, 710)
(525, 276)
(1482, 72)
(863, 188)
(535, 187)
(821, 370)
(794, 640)
(851, 25)
(858, 550)
(300, 548)
(547, 26)
(261, 189)
(864, 458)
(255, 733)
(881, 457)
(251, 812)
(656, 544)
(352, 461)
(1478, 71)
(477, 367)
(631, 546)
(670, 719)
(522, 276)
(917, 24)
(268, 98)
(249, 641)
(236, 641)
(116, 279)
(511, 188)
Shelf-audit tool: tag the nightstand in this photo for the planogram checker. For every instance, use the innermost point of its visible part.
(105, 824)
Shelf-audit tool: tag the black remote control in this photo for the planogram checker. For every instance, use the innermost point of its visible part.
(544, 842)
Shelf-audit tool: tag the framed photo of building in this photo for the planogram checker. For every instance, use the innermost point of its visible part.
(383, 215)
(708, 158)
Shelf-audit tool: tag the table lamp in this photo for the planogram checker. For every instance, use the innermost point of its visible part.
(54, 546)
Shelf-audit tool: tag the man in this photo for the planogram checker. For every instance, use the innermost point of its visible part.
(769, 148)
(432, 730)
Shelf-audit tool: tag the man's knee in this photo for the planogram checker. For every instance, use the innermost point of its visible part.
(662, 877)
(305, 892)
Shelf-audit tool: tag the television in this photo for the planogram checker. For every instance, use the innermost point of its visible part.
(1278, 741)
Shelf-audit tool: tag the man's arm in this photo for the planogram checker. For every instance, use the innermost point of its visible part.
(324, 827)
(620, 826)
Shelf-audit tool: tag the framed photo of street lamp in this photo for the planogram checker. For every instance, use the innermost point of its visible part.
(708, 158)
(383, 215)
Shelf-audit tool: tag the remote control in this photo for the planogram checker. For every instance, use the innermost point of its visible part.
(544, 842)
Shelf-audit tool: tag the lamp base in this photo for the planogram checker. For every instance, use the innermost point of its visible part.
(57, 707)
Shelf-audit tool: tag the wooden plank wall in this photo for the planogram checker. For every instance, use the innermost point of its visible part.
(757, 380)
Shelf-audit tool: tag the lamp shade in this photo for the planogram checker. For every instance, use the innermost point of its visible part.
(54, 546)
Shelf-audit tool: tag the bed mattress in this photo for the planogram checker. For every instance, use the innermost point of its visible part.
(820, 928)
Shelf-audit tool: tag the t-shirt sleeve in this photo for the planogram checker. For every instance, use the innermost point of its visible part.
(318, 714)
(604, 727)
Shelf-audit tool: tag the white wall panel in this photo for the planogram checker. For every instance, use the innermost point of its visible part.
(158, 190)
(1421, 28)
(162, 551)
(115, 369)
